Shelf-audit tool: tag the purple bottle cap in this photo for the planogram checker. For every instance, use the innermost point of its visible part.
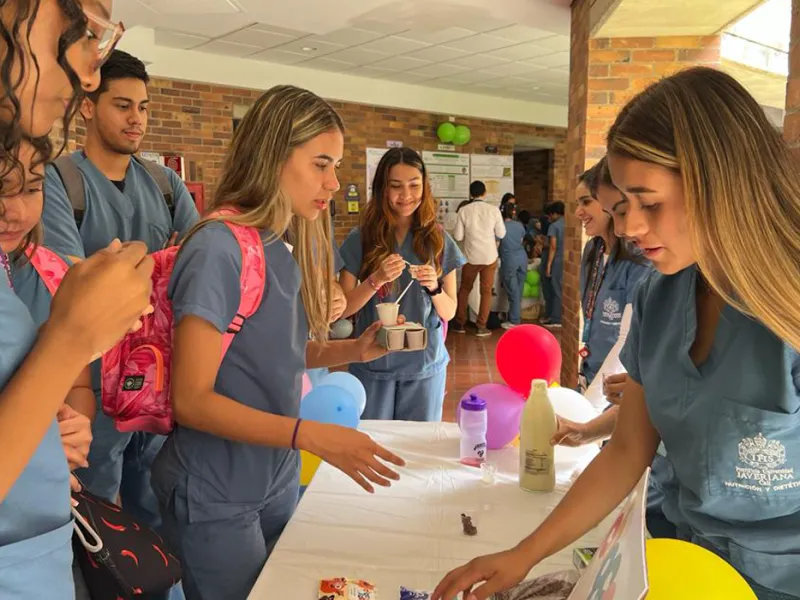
(473, 403)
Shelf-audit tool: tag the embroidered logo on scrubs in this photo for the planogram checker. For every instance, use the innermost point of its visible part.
(611, 310)
(761, 470)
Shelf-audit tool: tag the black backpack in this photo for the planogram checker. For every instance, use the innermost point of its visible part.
(76, 190)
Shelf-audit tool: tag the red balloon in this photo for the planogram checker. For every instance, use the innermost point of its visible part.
(525, 353)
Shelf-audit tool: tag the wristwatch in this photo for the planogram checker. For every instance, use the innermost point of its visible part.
(435, 292)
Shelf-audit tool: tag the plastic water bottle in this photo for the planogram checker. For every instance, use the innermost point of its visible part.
(473, 424)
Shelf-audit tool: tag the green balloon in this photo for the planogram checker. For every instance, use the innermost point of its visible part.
(462, 135)
(527, 291)
(446, 132)
(534, 291)
(533, 277)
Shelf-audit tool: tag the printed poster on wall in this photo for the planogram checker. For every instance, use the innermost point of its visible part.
(618, 570)
(496, 171)
(448, 173)
(374, 156)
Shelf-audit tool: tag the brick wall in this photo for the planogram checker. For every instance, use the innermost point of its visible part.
(196, 120)
(532, 179)
(620, 68)
(574, 158)
(791, 121)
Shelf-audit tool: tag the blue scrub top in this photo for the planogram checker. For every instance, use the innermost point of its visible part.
(32, 290)
(731, 428)
(35, 522)
(416, 306)
(617, 290)
(262, 369)
(139, 213)
(512, 252)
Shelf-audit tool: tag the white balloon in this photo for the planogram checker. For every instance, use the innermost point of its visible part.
(571, 405)
(341, 330)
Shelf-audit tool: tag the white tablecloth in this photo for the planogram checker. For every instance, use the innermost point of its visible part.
(411, 534)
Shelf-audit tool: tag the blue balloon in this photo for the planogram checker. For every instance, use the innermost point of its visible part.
(330, 404)
(352, 384)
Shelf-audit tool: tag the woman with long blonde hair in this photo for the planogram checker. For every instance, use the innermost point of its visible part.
(712, 354)
(400, 241)
(227, 479)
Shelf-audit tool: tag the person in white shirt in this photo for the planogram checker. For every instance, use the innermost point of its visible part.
(479, 225)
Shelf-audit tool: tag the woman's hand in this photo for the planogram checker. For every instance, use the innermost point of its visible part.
(391, 268)
(499, 571)
(352, 452)
(613, 385)
(368, 347)
(426, 275)
(76, 436)
(102, 298)
(569, 434)
(338, 302)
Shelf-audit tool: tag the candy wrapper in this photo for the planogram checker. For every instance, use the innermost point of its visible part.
(342, 588)
(406, 594)
(555, 586)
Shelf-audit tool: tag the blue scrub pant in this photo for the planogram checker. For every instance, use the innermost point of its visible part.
(556, 281)
(763, 593)
(222, 559)
(414, 400)
(120, 463)
(514, 282)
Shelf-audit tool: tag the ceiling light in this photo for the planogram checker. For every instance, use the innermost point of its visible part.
(308, 49)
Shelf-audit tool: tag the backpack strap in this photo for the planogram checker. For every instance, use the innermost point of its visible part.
(49, 265)
(252, 279)
(161, 178)
(72, 179)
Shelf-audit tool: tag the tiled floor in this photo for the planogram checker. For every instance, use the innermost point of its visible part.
(471, 363)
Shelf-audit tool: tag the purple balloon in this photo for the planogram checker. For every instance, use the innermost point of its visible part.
(504, 411)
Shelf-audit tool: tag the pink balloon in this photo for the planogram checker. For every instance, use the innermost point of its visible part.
(526, 353)
(306, 385)
(504, 411)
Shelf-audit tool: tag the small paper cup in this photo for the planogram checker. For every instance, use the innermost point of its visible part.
(396, 339)
(415, 339)
(387, 313)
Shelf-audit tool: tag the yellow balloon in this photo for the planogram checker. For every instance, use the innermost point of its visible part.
(514, 443)
(309, 463)
(554, 384)
(677, 569)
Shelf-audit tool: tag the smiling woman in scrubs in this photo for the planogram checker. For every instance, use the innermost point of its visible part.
(712, 355)
(99, 300)
(399, 229)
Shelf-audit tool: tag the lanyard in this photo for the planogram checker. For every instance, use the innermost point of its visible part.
(593, 284)
(7, 268)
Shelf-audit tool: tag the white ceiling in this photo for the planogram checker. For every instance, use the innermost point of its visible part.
(509, 48)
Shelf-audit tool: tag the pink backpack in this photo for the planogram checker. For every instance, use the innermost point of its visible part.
(136, 373)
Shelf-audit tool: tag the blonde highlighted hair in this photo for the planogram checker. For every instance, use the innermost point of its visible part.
(282, 119)
(738, 177)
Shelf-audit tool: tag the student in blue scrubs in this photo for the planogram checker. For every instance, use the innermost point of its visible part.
(122, 201)
(98, 302)
(399, 241)
(553, 263)
(513, 264)
(227, 479)
(610, 274)
(712, 355)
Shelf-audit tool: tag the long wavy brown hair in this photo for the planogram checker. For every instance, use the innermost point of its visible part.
(14, 43)
(283, 118)
(739, 177)
(378, 223)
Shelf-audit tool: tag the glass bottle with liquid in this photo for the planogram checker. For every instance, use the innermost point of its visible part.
(537, 471)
